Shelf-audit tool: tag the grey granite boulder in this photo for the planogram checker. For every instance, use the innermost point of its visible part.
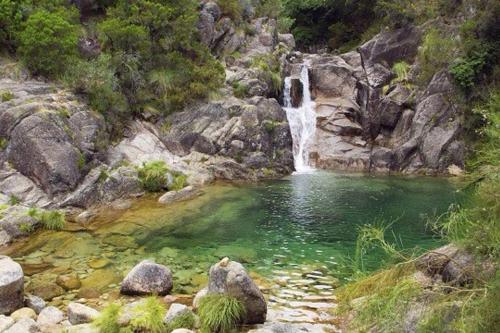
(147, 278)
(35, 303)
(81, 314)
(50, 316)
(11, 285)
(230, 278)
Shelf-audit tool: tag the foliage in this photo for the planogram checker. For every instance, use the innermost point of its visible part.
(231, 8)
(179, 182)
(401, 70)
(6, 96)
(13, 200)
(48, 43)
(26, 228)
(436, 52)
(52, 219)
(220, 313)
(3, 143)
(185, 320)
(107, 322)
(148, 316)
(240, 90)
(153, 176)
(269, 71)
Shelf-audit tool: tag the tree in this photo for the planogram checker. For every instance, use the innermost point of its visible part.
(48, 43)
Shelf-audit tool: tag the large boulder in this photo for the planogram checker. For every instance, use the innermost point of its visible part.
(147, 278)
(230, 278)
(14, 223)
(11, 285)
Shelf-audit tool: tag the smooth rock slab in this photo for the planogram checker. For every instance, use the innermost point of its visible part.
(50, 316)
(11, 285)
(81, 314)
(147, 278)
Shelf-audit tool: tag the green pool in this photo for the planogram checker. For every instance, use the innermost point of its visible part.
(302, 223)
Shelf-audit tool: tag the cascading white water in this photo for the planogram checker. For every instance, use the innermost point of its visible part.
(302, 120)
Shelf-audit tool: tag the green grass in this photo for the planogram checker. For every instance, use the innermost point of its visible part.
(6, 96)
(153, 176)
(13, 200)
(148, 317)
(220, 313)
(179, 183)
(185, 320)
(107, 322)
(51, 219)
(26, 228)
(3, 143)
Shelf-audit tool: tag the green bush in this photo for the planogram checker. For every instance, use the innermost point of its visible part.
(179, 183)
(12, 14)
(148, 316)
(436, 53)
(153, 176)
(220, 313)
(231, 8)
(48, 43)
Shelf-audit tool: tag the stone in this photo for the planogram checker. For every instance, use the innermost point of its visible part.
(83, 328)
(11, 285)
(99, 263)
(229, 277)
(34, 302)
(5, 322)
(50, 316)
(199, 295)
(25, 325)
(81, 314)
(69, 282)
(433, 262)
(23, 313)
(46, 290)
(183, 194)
(182, 330)
(174, 311)
(147, 278)
(460, 270)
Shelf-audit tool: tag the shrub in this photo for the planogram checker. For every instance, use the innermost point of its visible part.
(52, 219)
(148, 316)
(231, 8)
(153, 176)
(220, 313)
(240, 90)
(13, 200)
(3, 143)
(48, 43)
(12, 14)
(26, 228)
(107, 322)
(119, 35)
(435, 53)
(401, 70)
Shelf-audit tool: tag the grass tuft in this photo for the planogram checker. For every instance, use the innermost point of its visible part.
(52, 219)
(220, 313)
(107, 322)
(185, 320)
(153, 176)
(148, 317)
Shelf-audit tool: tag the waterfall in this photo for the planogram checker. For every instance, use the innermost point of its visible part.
(302, 120)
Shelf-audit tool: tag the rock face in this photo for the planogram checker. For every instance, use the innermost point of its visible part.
(366, 121)
(147, 278)
(230, 278)
(11, 285)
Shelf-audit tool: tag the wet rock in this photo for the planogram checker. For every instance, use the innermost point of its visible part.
(45, 290)
(23, 313)
(34, 302)
(25, 325)
(173, 196)
(147, 278)
(229, 277)
(69, 282)
(14, 221)
(11, 285)
(5, 323)
(83, 328)
(99, 263)
(50, 316)
(174, 311)
(81, 314)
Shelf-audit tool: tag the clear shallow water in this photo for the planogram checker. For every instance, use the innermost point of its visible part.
(303, 222)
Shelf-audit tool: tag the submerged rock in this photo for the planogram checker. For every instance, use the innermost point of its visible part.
(147, 278)
(11, 285)
(230, 278)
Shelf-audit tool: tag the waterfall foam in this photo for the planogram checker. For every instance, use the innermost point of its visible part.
(302, 120)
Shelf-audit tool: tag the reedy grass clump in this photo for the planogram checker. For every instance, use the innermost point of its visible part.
(107, 322)
(52, 219)
(220, 313)
(148, 317)
(184, 320)
(153, 176)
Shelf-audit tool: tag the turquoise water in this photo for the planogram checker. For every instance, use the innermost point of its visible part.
(305, 220)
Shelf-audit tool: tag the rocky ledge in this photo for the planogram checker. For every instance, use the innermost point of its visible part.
(368, 120)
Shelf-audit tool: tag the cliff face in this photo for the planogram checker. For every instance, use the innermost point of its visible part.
(368, 120)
